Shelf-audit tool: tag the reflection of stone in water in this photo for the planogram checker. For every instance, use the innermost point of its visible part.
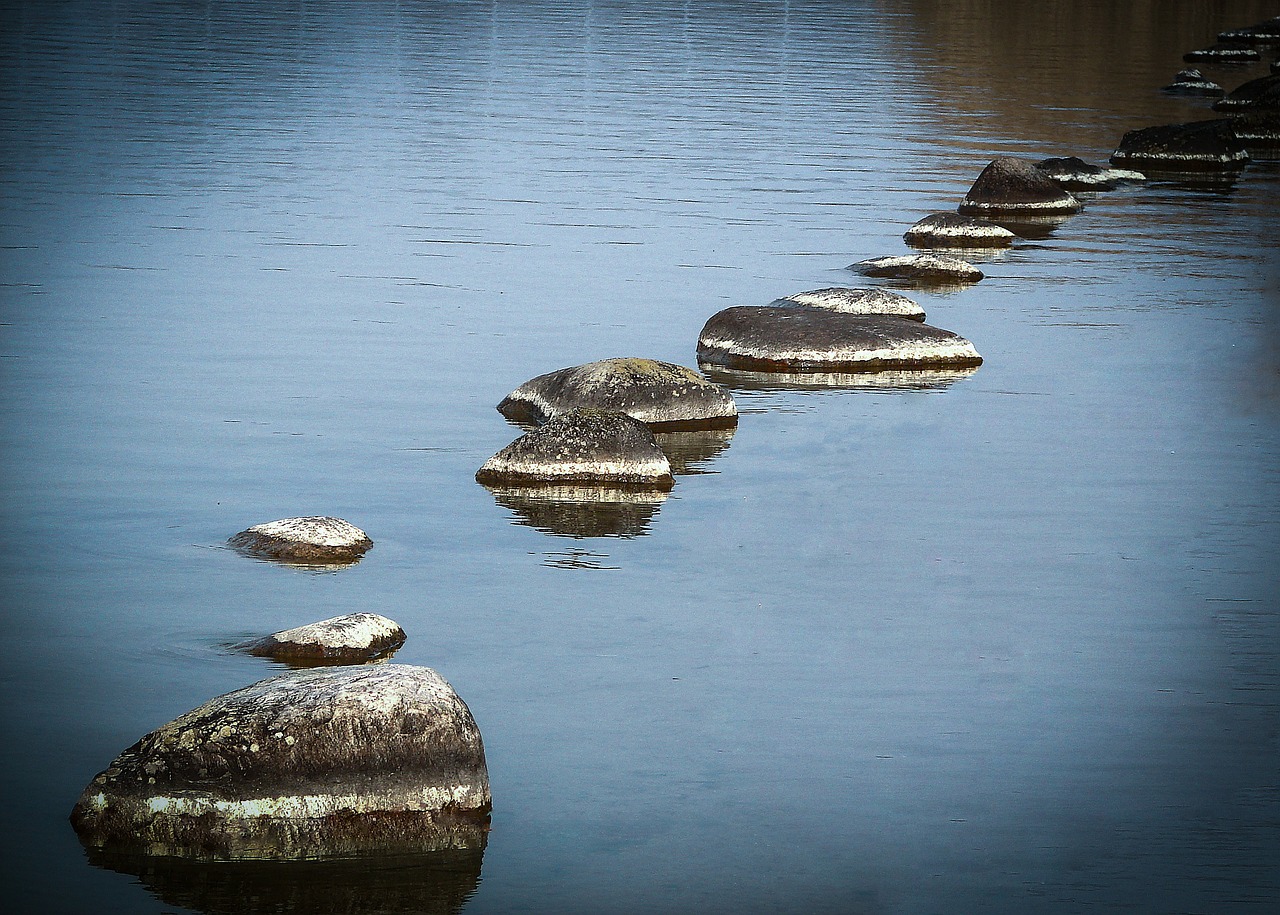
(1033, 228)
(913, 380)
(435, 882)
(578, 559)
(582, 511)
(322, 568)
(689, 451)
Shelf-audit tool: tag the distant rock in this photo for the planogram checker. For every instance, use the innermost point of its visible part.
(857, 302)
(1223, 52)
(1009, 186)
(346, 639)
(582, 447)
(1201, 145)
(790, 339)
(925, 267)
(312, 763)
(1261, 94)
(660, 394)
(314, 539)
(1267, 32)
(1075, 174)
(1193, 82)
(951, 230)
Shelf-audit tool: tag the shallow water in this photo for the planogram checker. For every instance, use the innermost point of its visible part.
(1008, 641)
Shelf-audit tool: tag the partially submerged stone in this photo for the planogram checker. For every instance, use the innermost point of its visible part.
(1267, 32)
(1223, 52)
(315, 539)
(311, 763)
(790, 339)
(1200, 145)
(582, 446)
(347, 639)
(951, 230)
(1261, 94)
(1075, 174)
(926, 267)
(1009, 186)
(1192, 82)
(857, 302)
(663, 395)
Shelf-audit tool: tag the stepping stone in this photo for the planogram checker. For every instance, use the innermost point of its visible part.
(1011, 187)
(925, 267)
(312, 763)
(1261, 94)
(582, 447)
(1193, 82)
(1223, 52)
(1257, 130)
(951, 230)
(663, 395)
(316, 539)
(789, 339)
(1075, 174)
(349, 639)
(857, 302)
(1267, 32)
(1181, 147)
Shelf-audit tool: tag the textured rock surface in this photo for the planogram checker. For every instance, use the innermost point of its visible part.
(1261, 94)
(937, 267)
(313, 539)
(310, 763)
(1179, 147)
(1259, 131)
(663, 395)
(352, 638)
(789, 339)
(582, 446)
(1192, 82)
(1075, 174)
(1223, 52)
(857, 302)
(1011, 186)
(951, 230)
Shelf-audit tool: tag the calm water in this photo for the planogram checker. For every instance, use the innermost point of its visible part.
(1007, 644)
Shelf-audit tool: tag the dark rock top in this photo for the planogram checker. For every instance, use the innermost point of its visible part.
(857, 302)
(951, 230)
(1261, 94)
(1267, 32)
(1193, 82)
(582, 446)
(348, 639)
(1075, 174)
(1012, 186)
(1223, 52)
(1196, 146)
(663, 395)
(927, 267)
(314, 539)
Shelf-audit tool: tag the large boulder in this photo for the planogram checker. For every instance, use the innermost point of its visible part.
(663, 395)
(1074, 174)
(856, 302)
(349, 639)
(1261, 94)
(1229, 52)
(922, 268)
(312, 763)
(315, 539)
(1200, 145)
(1012, 187)
(789, 339)
(951, 230)
(1192, 82)
(582, 447)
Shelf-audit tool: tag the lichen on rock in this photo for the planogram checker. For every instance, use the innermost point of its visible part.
(348, 639)
(314, 539)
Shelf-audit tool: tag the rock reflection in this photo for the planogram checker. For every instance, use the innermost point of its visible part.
(323, 568)
(884, 382)
(582, 511)
(690, 452)
(435, 882)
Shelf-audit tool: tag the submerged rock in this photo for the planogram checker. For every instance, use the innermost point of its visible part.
(1261, 94)
(312, 763)
(1192, 82)
(927, 267)
(347, 639)
(314, 539)
(1075, 174)
(1182, 147)
(1009, 186)
(790, 339)
(1267, 32)
(663, 395)
(951, 230)
(1223, 52)
(582, 446)
(857, 302)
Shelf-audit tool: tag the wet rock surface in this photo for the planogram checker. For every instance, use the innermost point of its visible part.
(1200, 145)
(951, 230)
(1267, 32)
(1259, 131)
(582, 446)
(1223, 52)
(1009, 186)
(1075, 174)
(789, 339)
(660, 394)
(857, 302)
(311, 763)
(1192, 82)
(923, 267)
(348, 639)
(1261, 94)
(314, 539)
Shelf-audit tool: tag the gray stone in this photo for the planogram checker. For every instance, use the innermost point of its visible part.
(314, 539)
(1261, 94)
(857, 302)
(1193, 82)
(923, 267)
(347, 639)
(790, 339)
(951, 230)
(1009, 186)
(1223, 52)
(312, 763)
(1075, 174)
(582, 447)
(660, 394)
(1201, 145)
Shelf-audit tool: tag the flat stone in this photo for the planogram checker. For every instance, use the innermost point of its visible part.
(857, 302)
(1075, 174)
(352, 638)
(314, 539)
(951, 230)
(1261, 94)
(920, 267)
(582, 446)
(1182, 147)
(660, 394)
(1009, 186)
(1267, 32)
(1193, 82)
(311, 763)
(1223, 52)
(790, 339)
